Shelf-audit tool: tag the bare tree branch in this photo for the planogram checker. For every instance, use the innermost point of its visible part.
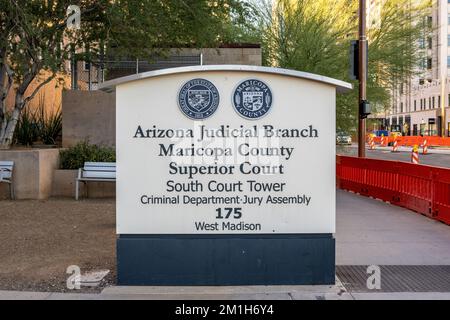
(36, 90)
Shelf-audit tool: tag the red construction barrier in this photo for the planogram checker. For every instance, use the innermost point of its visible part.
(421, 188)
(410, 141)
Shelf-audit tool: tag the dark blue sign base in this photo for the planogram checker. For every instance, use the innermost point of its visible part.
(286, 259)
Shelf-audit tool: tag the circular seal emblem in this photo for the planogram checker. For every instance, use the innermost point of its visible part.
(198, 99)
(252, 99)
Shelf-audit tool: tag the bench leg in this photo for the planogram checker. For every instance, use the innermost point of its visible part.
(11, 190)
(77, 185)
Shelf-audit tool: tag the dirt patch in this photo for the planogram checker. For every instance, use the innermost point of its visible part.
(40, 239)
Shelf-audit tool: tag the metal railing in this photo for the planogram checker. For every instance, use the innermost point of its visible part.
(88, 75)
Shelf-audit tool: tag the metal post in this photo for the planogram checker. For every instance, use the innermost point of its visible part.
(362, 67)
(89, 76)
(442, 25)
(442, 107)
(99, 70)
(74, 73)
(73, 69)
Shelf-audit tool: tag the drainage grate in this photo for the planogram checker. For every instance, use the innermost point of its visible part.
(397, 278)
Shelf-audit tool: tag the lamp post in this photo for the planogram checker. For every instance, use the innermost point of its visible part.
(362, 70)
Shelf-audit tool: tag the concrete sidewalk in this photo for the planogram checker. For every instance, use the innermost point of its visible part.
(374, 232)
(226, 293)
(369, 232)
(336, 292)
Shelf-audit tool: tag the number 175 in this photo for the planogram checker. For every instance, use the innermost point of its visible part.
(226, 213)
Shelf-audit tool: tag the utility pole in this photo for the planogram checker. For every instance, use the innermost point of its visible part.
(362, 70)
(442, 23)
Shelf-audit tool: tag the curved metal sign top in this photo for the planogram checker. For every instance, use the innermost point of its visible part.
(341, 86)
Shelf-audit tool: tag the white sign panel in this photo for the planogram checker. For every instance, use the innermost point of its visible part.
(225, 152)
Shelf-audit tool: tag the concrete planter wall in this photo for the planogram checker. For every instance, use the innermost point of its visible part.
(36, 176)
(33, 172)
(64, 186)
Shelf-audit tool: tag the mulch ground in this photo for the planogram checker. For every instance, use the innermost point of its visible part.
(40, 239)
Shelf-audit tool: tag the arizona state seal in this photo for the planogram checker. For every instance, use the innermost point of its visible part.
(198, 99)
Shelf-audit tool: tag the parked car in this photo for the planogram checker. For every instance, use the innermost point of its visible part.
(343, 138)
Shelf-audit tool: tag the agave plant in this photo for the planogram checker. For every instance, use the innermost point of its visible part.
(27, 129)
(50, 126)
(39, 125)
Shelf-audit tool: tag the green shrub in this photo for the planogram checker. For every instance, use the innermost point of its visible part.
(75, 157)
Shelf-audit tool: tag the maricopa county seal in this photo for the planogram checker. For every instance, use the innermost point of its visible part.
(198, 99)
(252, 99)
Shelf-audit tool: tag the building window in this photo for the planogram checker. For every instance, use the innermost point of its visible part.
(422, 43)
(448, 61)
(415, 102)
(439, 101)
(433, 103)
(429, 103)
(86, 66)
(430, 22)
(430, 62)
(430, 41)
(408, 125)
(401, 107)
(448, 40)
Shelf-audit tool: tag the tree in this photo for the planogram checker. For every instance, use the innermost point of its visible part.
(35, 42)
(314, 36)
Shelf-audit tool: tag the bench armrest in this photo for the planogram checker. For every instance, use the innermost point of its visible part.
(3, 178)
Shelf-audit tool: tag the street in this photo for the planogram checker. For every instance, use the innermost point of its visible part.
(439, 158)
